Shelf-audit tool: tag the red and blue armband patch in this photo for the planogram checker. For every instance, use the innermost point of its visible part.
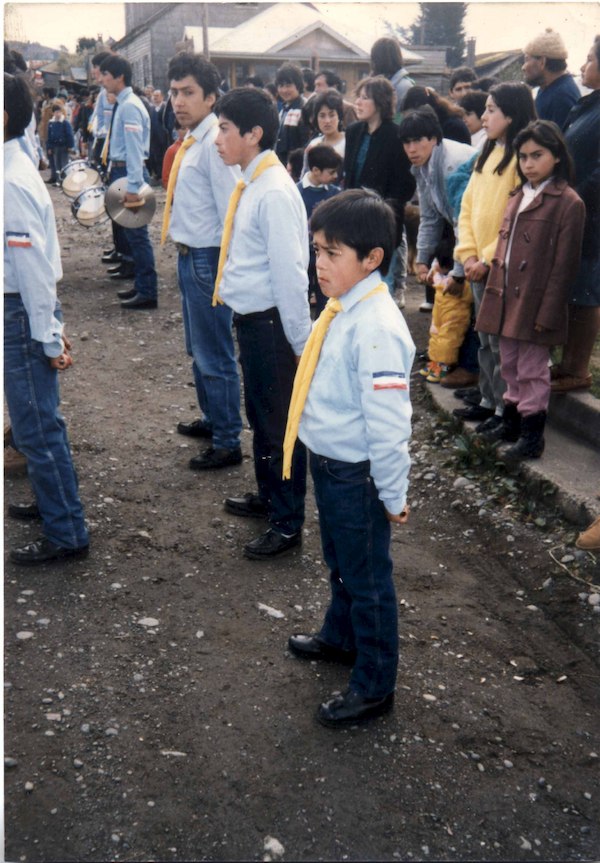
(18, 240)
(389, 381)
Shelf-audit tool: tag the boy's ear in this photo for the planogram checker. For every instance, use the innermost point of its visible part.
(374, 258)
(255, 135)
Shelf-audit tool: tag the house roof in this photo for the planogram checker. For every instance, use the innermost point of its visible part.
(274, 30)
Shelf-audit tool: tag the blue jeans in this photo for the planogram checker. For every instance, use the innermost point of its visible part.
(209, 341)
(269, 366)
(134, 244)
(38, 429)
(355, 535)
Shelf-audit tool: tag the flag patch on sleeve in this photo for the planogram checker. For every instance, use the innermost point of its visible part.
(16, 239)
(389, 381)
(132, 127)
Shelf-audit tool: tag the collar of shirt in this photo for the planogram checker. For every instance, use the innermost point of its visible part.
(247, 174)
(201, 130)
(529, 193)
(306, 184)
(124, 94)
(360, 290)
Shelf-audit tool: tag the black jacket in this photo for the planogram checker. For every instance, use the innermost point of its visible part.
(293, 132)
(386, 169)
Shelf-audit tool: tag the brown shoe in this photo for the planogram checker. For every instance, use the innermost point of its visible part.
(567, 383)
(15, 463)
(589, 539)
(460, 377)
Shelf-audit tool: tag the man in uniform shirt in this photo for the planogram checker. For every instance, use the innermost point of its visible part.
(129, 141)
(202, 185)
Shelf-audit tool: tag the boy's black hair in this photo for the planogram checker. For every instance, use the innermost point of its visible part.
(204, 73)
(295, 159)
(289, 73)
(308, 76)
(329, 99)
(515, 101)
(474, 102)
(254, 81)
(485, 83)
(56, 108)
(360, 219)
(421, 123)
(548, 135)
(247, 107)
(18, 104)
(323, 156)
(99, 58)
(462, 73)
(116, 66)
(331, 78)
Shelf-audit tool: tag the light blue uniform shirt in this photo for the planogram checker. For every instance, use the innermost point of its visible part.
(130, 137)
(358, 405)
(31, 252)
(268, 253)
(204, 186)
(101, 116)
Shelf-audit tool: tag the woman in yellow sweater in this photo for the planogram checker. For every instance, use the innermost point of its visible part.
(509, 108)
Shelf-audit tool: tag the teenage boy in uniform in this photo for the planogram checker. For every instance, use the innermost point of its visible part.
(198, 193)
(128, 145)
(263, 277)
(354, 416)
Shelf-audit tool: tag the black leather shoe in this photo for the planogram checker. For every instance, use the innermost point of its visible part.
(23, 510)
(271, 544)
(470, 395)
(127, 295)
(489, 427)
(197, 428)
(311, 647)
(248, 506)
(473, 412)
(112, 257)
(139, 301)
(44, 551)
(122, 271)
(214, 458)
(350, 708)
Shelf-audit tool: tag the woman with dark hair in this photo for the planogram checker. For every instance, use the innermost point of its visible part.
(449, 114)
(328, 113)
(387, 60)
(582, 134)
(375, 158)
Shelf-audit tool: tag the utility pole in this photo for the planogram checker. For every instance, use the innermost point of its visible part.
(206, 49)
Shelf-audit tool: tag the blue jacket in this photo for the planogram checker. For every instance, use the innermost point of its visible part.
(60, 134)
(582, 134)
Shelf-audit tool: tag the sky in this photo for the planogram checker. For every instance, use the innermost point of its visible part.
(495, 26)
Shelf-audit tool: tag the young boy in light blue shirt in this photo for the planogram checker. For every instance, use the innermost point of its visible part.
(356, 424)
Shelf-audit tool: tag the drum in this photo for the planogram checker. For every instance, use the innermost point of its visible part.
(77, 176)
(89, 207)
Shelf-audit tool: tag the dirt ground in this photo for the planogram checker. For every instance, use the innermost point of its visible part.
(153, 712)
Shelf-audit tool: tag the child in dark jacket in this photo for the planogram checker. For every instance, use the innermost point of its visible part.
(315, 186)
(293, 132)
(60, 141)
(525, 298)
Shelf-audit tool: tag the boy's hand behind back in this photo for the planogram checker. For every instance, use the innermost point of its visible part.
(398, 519)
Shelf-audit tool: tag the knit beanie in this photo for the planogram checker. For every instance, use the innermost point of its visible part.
(547, 44)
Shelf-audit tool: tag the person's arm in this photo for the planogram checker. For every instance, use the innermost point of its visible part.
(431, 227)
(133, 131)
(69, 135)
(28, 269)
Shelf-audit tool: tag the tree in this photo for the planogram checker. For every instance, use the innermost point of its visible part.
(442, 24)
(85, 43)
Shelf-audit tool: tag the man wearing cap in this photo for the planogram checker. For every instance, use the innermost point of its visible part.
(545, 67)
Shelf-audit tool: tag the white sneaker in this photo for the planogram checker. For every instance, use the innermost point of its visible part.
(400, 298)
(426, 307)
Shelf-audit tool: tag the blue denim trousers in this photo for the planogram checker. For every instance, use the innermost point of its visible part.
(355, 535)
(38, 429)
(134, 244)
(268, 365)
(209, 341)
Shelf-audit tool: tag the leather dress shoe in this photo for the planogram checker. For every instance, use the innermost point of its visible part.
(248, 506)
(23, 510)
(489, 427)
(111, 257)
(44, 551)
(271, 544)
(124, 270)
(470, 395)
(311, 647)
(197, 428)
(460, 377)
(216, 457)
(127, 295)
(351, 708)
(140, 301)
(473, 412)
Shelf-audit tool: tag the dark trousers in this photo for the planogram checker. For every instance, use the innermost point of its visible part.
(355, 535)
(134, 244)
(268, 367)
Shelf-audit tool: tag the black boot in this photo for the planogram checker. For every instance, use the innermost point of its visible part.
(531, 442)
(508, 430)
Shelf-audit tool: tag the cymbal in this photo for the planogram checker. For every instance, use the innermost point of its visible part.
(128, 216)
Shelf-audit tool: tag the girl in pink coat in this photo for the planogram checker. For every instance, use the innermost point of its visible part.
(525, 299)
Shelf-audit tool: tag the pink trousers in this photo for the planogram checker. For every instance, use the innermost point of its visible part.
(525, 370)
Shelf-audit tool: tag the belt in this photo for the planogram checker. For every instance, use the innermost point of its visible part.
(182, 248)
(117, 164)
(256, 316)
